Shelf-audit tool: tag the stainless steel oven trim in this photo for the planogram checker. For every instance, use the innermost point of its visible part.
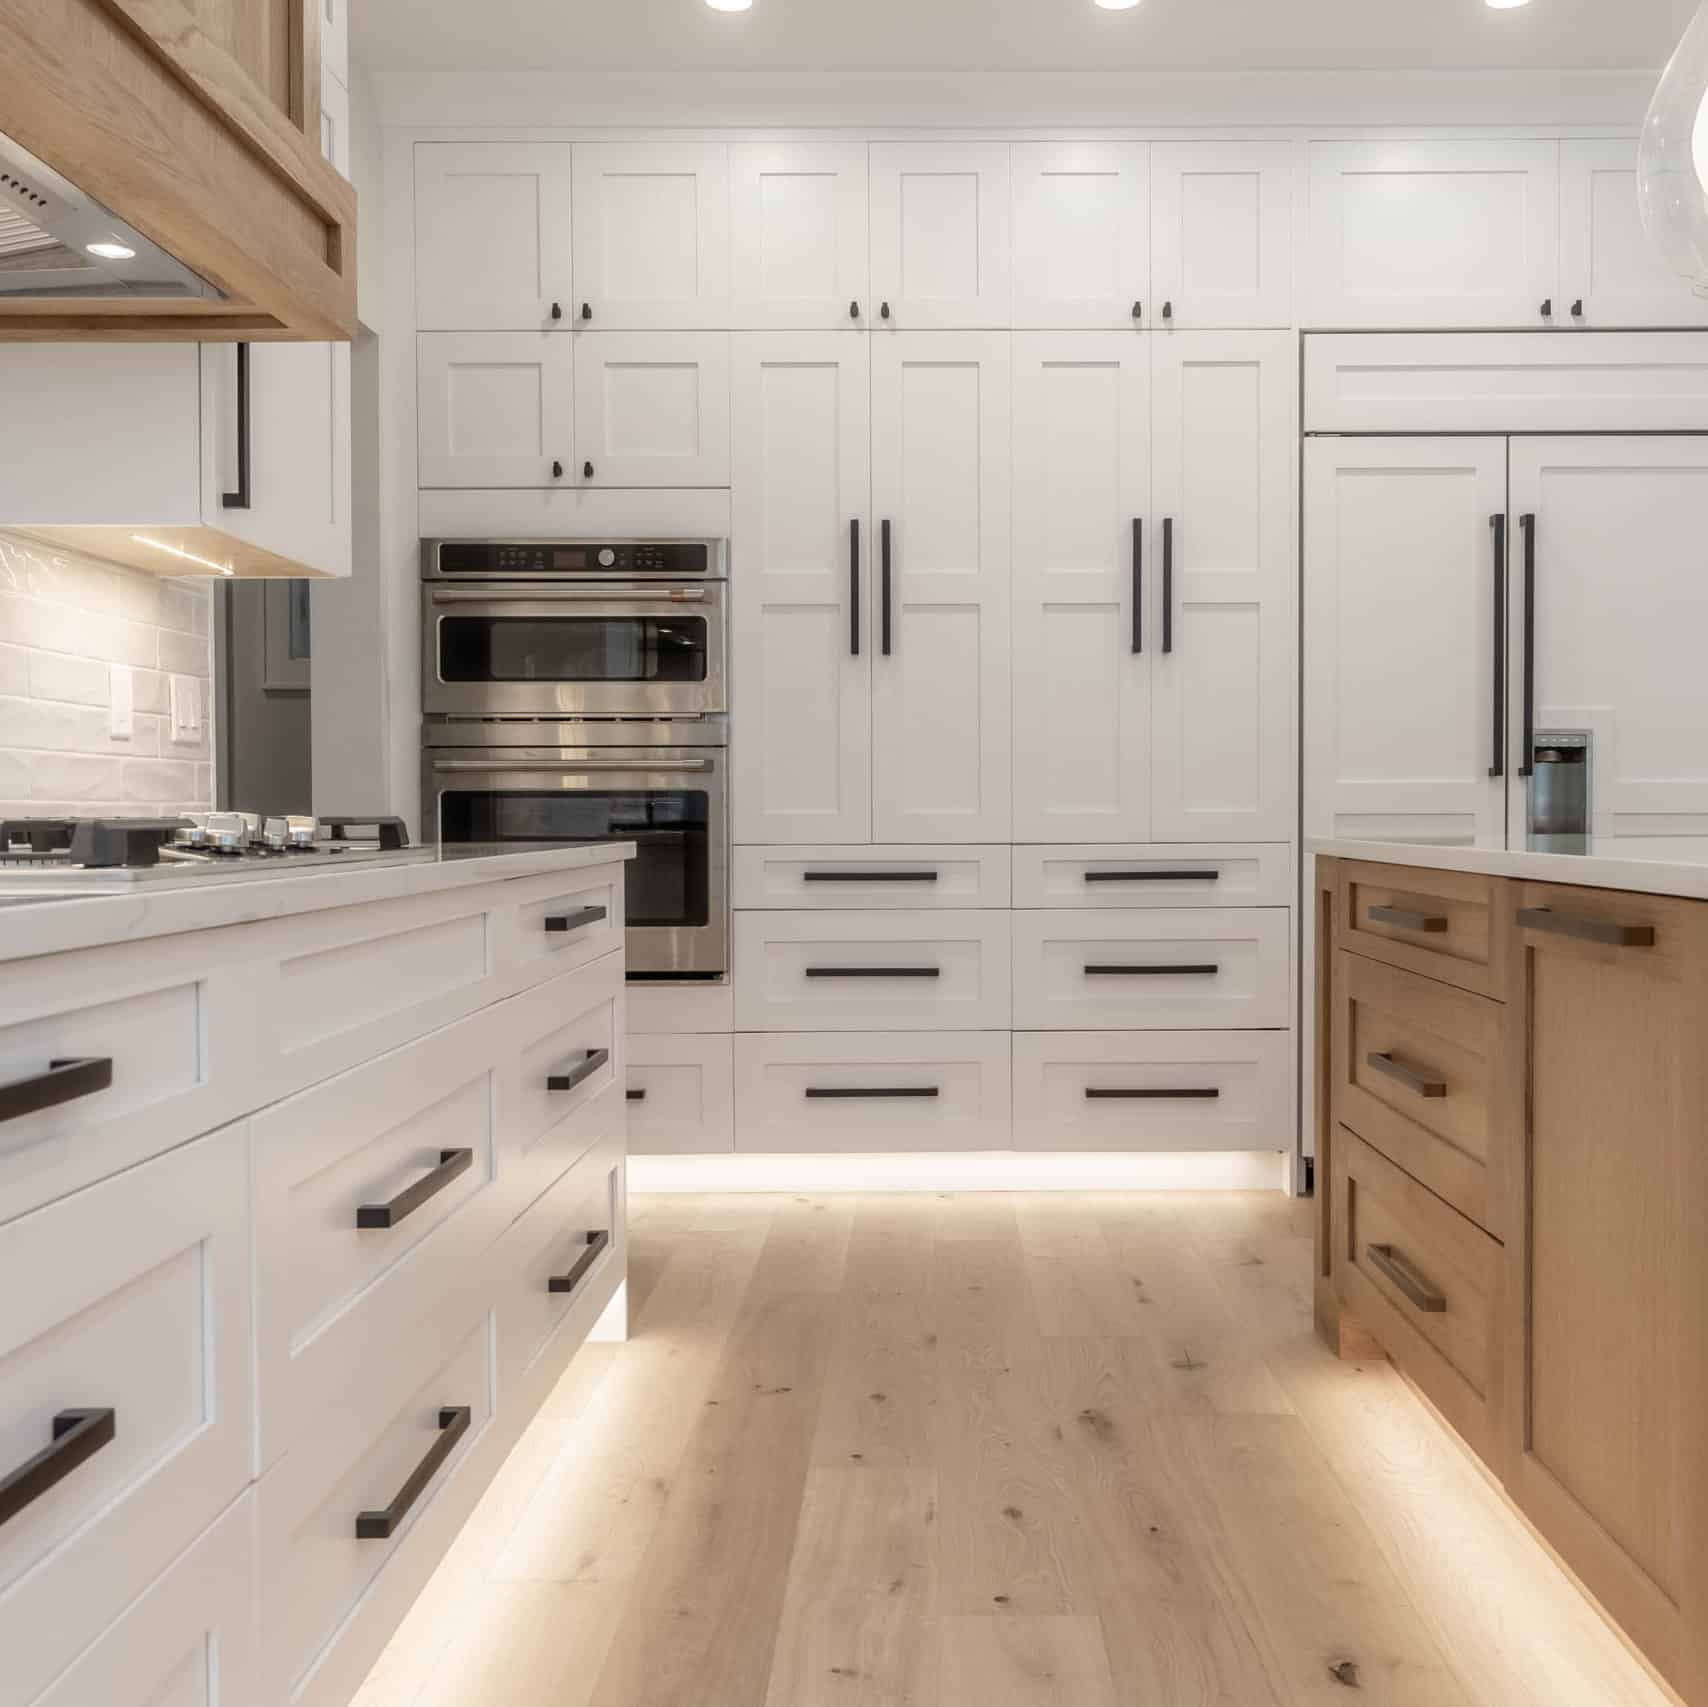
(717, 552)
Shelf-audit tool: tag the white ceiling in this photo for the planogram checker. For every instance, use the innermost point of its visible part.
(1013, 35)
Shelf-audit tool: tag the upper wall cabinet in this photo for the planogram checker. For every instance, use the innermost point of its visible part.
(1081, 234)
(652, 409)
(492, 236)
(940, 234)
(652, 245)
(1435, 234)
(1222, 234)
(495, 409)
(798, 213)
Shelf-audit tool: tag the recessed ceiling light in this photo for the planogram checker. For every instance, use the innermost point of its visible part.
(1504, 5)
(730, 5)
(1117, 5)
(111, 251)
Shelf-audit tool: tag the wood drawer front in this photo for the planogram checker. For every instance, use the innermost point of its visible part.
(1432, 1099)
(1101, 1090)
(680, 1095)
(131, 1297)
(539, 1329)
(871, 971)
(190, 1641)
(315, 1570)
(1439, 923)
(1217, 968)
(1452, 1352)
(954, 1091)
(814, 879)
(545, 925)
(1187, 875)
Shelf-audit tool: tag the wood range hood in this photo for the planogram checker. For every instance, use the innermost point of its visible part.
(188, 133)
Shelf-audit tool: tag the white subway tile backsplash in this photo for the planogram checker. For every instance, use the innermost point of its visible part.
(154, 780)
(76, 681)
(74, 776)
(14, 670)
(182, 654)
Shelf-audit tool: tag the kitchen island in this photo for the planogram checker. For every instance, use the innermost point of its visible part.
(1512, 1170)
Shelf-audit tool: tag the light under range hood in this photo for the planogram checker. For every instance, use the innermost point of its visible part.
(58, 244)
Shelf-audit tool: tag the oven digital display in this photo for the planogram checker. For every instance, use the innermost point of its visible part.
(570, 558)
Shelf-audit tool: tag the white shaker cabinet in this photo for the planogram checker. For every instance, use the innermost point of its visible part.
(1084, 636)
(652, 409)
(1081, 234)
(940, 665)
(1435, 233)
(1405, 625)
(803, 540)
(940, 234)
(496, 408)
(652, 236)
(799, 224)
(1224, 425)
(492, 236)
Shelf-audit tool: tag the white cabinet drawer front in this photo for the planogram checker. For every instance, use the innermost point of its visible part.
(873, 1092)
(1156, 1090)
(833, 877)
(871, 971)
(1183, 875)
(652, 408)
(550, 924)
(680, 1094)
(130, 1298)
(190, 1641)
(1161, 971)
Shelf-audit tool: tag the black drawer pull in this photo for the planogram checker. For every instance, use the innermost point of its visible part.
(1204, 971)
(1422, 1083)
(64, 1081)
(1148, 1093)
(451, 1163)
(868, 877)
(1586, 930)
(576, 921)
(636, 1096)
(580, 1073)
(874, 972)
(1408, 919)
(1152, 875)
(838, 1093)
(1389, 1261)
(454, 1423)
(77, 1437)
(595, 1247)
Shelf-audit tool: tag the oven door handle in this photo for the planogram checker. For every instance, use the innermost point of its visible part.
(639, 766)
(554, 595)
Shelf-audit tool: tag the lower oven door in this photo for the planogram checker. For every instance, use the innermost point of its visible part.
(670, 802)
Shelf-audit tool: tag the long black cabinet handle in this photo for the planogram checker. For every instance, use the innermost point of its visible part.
(1406, 1278)
(580, 1073)
(240, 499)
(1527, 755)
(1167, 582)
(454, 1421)
(868, 877)
(1604, 931)
(1423, 1084)
(1152, 875)
(594, 1247)
(1408, 919)
(882, 1093)
(874, 972)
(884, 584)
(77, 1437)
(854, 588)
(451, 1164)
(1149, 1093)
(64, 1081)
(1208, 970)
(1497, 764)
(1138, 584)
(576, 921)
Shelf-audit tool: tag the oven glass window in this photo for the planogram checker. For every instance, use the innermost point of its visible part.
(572, 648)
(667, 881)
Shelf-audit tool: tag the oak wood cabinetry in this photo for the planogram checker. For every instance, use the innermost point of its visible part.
(1513, 1143)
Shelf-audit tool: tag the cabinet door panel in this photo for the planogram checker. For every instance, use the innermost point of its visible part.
(1082, 676)
(940, 224)
(1403, 606)
(802, 485)
(798, 214)
(940, 696)
(652, 408)
(1221, 233)
(1223, 687)
(495, 408)
(1081, 234)
(492, 235)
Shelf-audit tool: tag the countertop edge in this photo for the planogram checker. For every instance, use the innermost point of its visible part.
(1584, 871)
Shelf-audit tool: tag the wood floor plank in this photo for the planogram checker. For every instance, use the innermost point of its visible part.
(1077, 1288)
(880, 1393)
(1025, 1662)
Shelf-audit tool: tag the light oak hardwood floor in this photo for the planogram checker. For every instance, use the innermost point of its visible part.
(990, 1451)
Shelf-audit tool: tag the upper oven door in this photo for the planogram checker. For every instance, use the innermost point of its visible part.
(576, 649)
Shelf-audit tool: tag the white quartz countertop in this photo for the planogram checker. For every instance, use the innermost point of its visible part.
(1671, 865)
(34, 923)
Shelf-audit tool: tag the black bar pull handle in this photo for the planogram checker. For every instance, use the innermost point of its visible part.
(1152, 875)
(1202, 970)
(77, 1437)
(874, 972)
(1389, 1262)
(64, 1081)
(1605, 931)
(868, 877)
(579, 920)
(1527, 756)
(854, 588)
(875, 1093)
(454, 1421)
(636, 1095)
(1497, 765)
(1138, 584)
(400, 1208)
(239, 500)
(1150, 1093)
(1168, 583)
(1408, 919)
(594, 1246)
(1422, 1083)
(884, 579)
(580, 1073)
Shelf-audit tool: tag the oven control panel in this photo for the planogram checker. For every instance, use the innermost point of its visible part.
(548, 558)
